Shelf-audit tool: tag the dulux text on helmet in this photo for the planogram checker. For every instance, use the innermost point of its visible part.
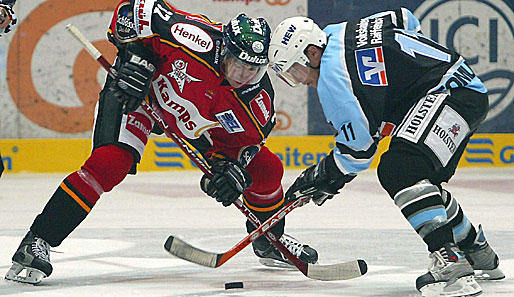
(289, 43)
(246, 41)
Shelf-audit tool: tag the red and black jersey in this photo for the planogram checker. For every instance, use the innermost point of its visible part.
(189, 83)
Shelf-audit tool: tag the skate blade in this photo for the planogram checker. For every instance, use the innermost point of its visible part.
(463, 287)
(483, 275)
(32, 276)
(276, 263)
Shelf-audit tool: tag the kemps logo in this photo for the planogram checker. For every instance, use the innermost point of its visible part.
(187, 116)
(483, 33)
(192, 37)
(261, 107)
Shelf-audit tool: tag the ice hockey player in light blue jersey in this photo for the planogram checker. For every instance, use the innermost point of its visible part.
(380, 76)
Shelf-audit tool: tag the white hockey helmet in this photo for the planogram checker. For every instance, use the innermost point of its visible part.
(289, 43)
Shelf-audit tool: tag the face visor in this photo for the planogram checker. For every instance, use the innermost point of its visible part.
(294, 75)
(239, 73)
(295, 71)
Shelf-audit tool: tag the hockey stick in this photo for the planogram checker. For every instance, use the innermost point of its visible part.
(190, 253)
(154, 113)
(185, 251)
(339, 271)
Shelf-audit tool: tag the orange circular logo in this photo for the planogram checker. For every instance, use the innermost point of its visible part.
(84, 69)
(283, 121)
(278, 2)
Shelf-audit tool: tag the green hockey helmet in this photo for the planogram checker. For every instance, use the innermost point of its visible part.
(245, 50)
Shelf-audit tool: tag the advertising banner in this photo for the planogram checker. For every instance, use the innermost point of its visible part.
(162, 154)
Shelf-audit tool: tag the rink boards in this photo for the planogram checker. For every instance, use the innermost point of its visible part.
(161, 154)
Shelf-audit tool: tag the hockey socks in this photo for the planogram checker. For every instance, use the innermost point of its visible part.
(78, 193)
(423, 207)
(463, 230)
(263, 212)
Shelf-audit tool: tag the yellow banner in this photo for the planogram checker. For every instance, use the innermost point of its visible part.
(44, 155)
(161, 154)
(489, 150)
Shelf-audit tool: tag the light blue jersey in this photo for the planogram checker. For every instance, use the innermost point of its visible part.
(356, 147)
(373, 71)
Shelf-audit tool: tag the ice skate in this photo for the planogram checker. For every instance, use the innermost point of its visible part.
(483, 259)
(31, 262)
(270, 256)
(449, 275)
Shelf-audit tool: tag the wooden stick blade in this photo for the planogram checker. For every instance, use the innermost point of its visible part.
(183, 250)
(339, 271)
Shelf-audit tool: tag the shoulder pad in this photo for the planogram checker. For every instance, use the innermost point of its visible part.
(124, 28)
(409, 21)
(259, 99)
(143, 17)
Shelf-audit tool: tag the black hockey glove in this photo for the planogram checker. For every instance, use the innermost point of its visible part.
(228, 182)
(321, 181)
(135, 74)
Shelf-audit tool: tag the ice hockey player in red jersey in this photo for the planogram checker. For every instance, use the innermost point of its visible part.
(210, 82)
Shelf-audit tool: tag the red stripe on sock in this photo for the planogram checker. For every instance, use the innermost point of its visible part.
(83, 188)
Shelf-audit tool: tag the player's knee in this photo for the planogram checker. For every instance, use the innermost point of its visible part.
(396, 174)
(266, 171)
(389, 175)
(403, 166)
(109, 165)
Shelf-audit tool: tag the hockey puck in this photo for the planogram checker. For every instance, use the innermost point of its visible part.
(234, 285)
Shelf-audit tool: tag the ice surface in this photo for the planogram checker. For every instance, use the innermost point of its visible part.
(118, 249)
